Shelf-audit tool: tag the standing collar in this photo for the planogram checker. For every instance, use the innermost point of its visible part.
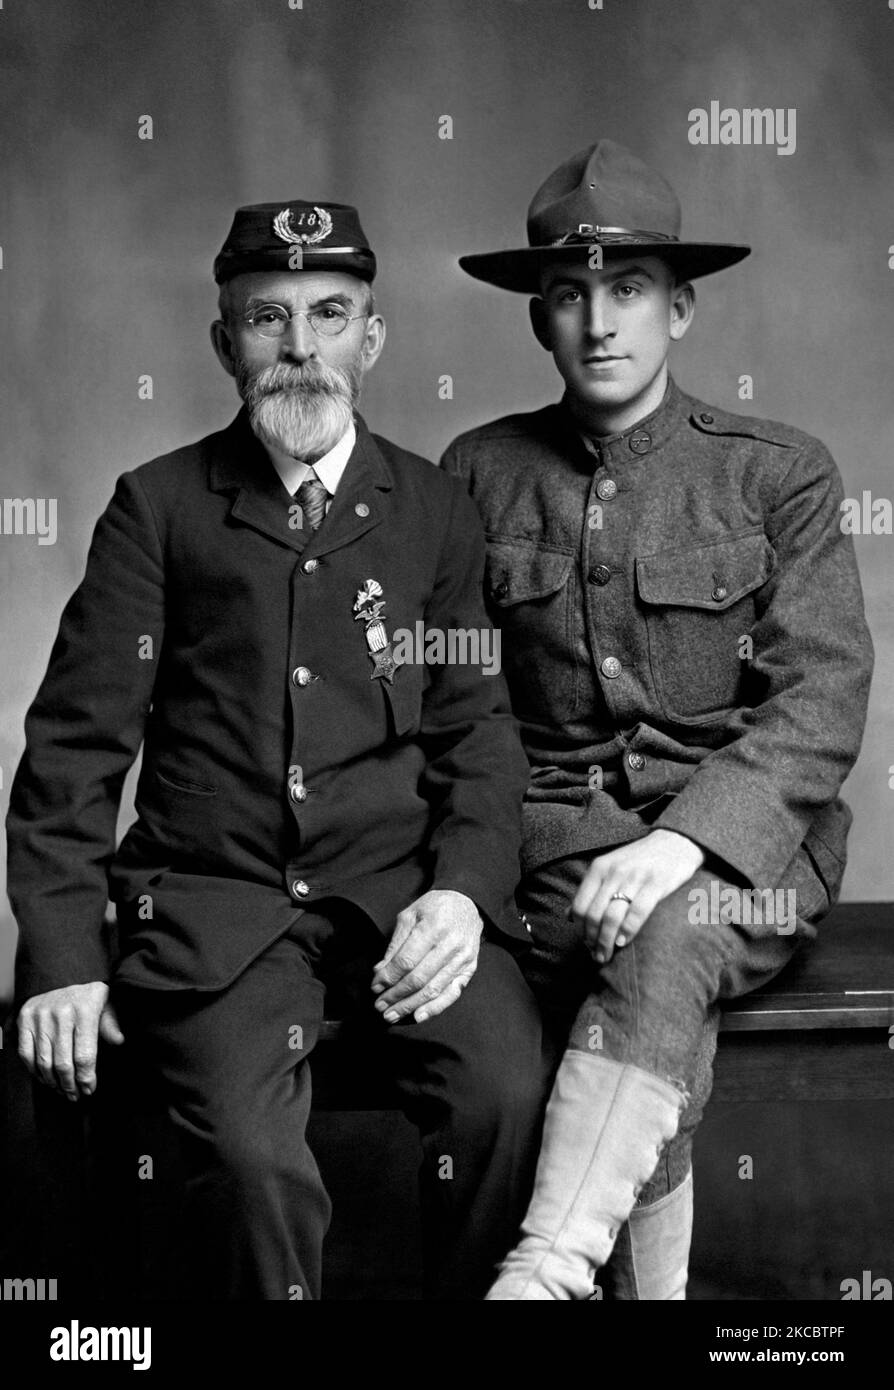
(640, 439)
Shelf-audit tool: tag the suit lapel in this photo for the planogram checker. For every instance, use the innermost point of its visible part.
(241, 464)
(360, 502)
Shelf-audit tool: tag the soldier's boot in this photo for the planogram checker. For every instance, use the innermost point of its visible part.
(660, 1237)
(606, 1125)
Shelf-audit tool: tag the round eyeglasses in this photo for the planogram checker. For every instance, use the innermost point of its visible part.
(272, 320)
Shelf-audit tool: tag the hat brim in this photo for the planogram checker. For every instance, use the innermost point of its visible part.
(521, 270)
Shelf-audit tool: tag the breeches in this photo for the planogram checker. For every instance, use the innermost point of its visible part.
(656, 1003)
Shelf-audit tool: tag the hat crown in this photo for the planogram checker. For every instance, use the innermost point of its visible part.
(605, 185)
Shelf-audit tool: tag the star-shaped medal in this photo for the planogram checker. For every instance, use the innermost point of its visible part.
(385, 665)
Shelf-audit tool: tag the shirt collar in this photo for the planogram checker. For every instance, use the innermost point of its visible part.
(329, 468)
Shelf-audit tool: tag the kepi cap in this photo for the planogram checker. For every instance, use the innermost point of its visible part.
(269, 236)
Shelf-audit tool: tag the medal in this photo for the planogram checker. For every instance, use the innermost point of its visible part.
(369, 608)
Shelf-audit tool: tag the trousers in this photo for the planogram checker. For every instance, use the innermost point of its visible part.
(656, 1003)
(233, 1068)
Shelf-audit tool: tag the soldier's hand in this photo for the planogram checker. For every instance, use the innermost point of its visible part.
(647, 871)
(59, 1036)
(431, 957)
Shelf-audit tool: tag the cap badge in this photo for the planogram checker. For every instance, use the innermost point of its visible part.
(318, 222)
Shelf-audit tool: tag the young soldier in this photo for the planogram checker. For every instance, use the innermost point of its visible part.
(684, 638)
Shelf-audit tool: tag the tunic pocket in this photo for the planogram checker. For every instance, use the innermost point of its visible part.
(698, 603)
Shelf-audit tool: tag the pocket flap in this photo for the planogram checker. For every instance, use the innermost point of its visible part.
(404, 696)
(518, 572)
(711, 576)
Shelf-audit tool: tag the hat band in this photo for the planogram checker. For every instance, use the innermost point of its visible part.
(587, 231)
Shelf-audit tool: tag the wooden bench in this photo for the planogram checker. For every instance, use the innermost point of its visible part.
(819, 1031)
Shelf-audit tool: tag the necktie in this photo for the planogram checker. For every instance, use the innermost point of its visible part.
(311, 497)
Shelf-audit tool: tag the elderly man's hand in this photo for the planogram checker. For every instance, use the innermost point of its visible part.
(646, 871)
(59, 1036)
(431, 957)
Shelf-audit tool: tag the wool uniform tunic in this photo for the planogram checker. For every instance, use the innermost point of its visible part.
(682, 631)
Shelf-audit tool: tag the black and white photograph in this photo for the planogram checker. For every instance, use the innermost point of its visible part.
(446, 735)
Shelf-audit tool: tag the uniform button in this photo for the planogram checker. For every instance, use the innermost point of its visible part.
(636, 761)
(641, 442)
(500, 590)
(718, 593)
(298, 792)
(611, 667)
(299, 888)
(601, 574)
(301, 675)
(606, 488)
(707, 419)
(309, 566)
(362, 509)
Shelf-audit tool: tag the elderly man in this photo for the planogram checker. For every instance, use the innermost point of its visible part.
(686, 650)
(310, 813)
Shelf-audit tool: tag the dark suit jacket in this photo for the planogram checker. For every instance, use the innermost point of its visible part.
(197, 608)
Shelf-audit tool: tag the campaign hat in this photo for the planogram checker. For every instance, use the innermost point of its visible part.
(602, 196)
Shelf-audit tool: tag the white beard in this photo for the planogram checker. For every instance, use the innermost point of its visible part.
(304, 411)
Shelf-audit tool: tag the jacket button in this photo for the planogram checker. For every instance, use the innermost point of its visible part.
(300, 889)
(298, 792)
(641, 442)
(611, 667)
(601, 574)
(707, 419)
(309, 566)
(301, 676)
(606, 488)
(500, 590)
(718, 593)
(362, 509)
(636, 761)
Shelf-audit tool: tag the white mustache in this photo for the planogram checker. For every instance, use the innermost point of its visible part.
(312, 379)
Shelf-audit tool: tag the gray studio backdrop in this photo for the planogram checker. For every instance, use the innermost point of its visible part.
(107, 238)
